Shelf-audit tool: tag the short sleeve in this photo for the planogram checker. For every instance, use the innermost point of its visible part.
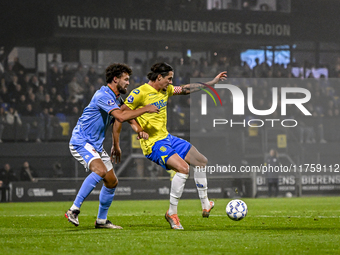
(107, 103)
(170, 90)
(134, 99)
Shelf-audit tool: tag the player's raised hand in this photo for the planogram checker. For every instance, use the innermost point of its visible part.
(142, 135)
(220, 77)
(151, 108)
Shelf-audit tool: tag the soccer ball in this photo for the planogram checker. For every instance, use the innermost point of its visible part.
(236, 209)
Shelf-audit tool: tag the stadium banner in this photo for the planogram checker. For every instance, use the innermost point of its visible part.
(126, 190)
(210, 26)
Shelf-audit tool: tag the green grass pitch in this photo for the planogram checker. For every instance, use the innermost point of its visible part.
(308, 225)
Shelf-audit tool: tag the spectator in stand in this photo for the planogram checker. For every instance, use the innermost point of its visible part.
(98, 83)
(75, 90)
(7, 175)
(9, 73)
(257, 68)
(89, 95)
(46, 124)
(53, 94)
(16, 94)
(54, 61)
(48, 104)
(86, 84)
(272, 176)
(57, 170)
(35, 104)
(12, 85)
(4, 95)
(74, 114)
(40, 94)
(59, 105)
(32, 124)
(18, 68)
(56, 128)
(21, 104)
(80, 74)
(3, 121)
(67, 76)
(25, 83)
(12, 117)
(27, 173)
(55, 79)
(93, 76)
(35, 83)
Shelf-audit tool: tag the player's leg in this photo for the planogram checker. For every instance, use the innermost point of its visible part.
(196, 159)
(91, 160)
(105, 199)
(176, 163)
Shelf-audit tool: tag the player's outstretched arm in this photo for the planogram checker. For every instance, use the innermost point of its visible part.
(122, 116)
(193, 87)
(135, 125)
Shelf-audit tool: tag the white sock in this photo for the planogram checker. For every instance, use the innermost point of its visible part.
(101, 221)
(74, 207)
(177, 186)
(202, 188)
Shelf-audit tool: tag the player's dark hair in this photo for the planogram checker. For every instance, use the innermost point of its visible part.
(159, 69)
(116, 70)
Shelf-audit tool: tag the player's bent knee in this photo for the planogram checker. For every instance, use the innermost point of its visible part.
(99, 170)
(112, 184)
(115, 183)
(183, 169)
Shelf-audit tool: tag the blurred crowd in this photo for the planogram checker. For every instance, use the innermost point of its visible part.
(45, 108)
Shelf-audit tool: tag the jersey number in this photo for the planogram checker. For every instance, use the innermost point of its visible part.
(136, 91)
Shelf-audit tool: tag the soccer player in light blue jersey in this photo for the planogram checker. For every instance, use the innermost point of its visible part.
(86, 143)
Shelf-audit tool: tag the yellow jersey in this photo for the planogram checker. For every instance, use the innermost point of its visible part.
(152, 123)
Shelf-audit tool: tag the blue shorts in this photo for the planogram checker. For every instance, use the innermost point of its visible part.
(164, 149)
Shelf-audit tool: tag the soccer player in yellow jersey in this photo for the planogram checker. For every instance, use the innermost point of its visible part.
(166, 150)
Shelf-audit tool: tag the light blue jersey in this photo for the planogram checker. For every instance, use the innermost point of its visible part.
(95, 120)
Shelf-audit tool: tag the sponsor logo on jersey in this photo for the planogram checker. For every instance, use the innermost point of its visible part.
(152, 94)
(163, 149)
(111, 102)
(130, 99)
(160, 104)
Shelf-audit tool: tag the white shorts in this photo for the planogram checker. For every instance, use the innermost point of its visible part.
(85, 155)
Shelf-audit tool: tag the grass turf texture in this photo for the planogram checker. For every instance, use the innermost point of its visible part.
(272, 226)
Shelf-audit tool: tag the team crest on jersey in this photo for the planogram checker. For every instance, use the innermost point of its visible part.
(130, 99)
(162, 149)
(111, 102)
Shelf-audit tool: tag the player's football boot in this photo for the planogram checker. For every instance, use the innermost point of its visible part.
(107, 224)
(173, 221)
(72, 217)
(206, 212)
